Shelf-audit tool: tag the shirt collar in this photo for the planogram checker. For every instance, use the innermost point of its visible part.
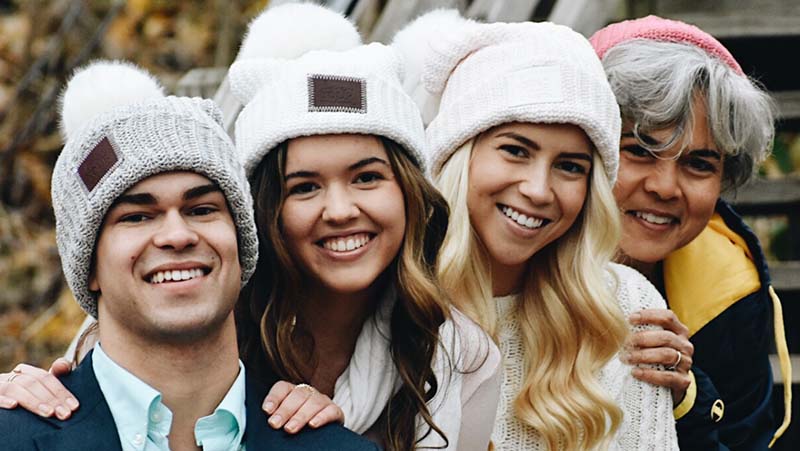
(142, 419)
(224, 428)
(135, 406)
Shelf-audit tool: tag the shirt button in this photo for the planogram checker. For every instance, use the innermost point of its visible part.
(138, 440)
(156, 418)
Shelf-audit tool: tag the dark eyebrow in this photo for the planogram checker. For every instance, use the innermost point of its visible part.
(149, 199)
(649, 140)
(135, 199)
(352, 167)
(301, 174)
(521, 139)
(705, 153)
(201, 190)
(577, 155)
(365, 162)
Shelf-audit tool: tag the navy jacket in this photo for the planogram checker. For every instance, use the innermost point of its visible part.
(731, 365)
(92, 427)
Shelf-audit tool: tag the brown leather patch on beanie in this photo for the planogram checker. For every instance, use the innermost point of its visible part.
(97, 164)
(337, 93)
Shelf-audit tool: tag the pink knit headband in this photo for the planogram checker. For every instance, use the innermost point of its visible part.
(659, 29)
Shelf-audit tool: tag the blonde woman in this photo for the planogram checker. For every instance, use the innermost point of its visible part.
(523, 143)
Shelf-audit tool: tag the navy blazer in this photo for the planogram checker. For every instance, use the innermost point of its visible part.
(92, 427)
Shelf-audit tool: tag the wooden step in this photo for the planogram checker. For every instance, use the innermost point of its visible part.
(735, 18)
(765, 197)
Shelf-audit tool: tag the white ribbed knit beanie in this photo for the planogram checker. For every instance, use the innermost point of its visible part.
(119, 129)
(468, 77)
(325, 83)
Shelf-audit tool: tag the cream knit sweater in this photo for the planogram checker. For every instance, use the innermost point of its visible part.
(648, 423)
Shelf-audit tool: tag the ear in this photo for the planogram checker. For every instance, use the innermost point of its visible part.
(94, 286)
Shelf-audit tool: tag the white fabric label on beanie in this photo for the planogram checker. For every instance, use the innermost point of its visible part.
(532, 85)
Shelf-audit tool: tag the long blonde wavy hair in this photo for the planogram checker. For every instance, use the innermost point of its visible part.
(570, 321)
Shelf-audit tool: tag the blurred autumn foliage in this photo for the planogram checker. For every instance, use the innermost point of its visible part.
(41, 43)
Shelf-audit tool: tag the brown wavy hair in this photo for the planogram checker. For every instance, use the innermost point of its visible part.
(272, 343)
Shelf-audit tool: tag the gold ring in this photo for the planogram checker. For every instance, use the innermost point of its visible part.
(311, 390)
(677, 362)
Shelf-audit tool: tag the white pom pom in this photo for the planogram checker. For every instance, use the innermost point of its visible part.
(290, 30)
(417, 43)
(103, 86)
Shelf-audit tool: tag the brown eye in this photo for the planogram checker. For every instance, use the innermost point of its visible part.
(134, 218)
(303, 188)
(368, 177)
(572, 167)
(701, 165)
(517, 151)
(202, 210)
(637, 151)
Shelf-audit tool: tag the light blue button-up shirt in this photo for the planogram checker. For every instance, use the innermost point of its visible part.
(143, 422)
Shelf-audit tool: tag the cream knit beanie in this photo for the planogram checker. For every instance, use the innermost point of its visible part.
(327, 83)
(119, 129)
(490, 74)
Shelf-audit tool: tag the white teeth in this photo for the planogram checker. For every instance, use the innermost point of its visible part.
(655, 219)
(519, 218)
(345, 244)
(176, 275)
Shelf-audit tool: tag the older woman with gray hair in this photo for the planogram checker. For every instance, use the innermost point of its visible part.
(694, 125)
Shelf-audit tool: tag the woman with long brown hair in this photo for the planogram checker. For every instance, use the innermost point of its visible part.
(345, 295)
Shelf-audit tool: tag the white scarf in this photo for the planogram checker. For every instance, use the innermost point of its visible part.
(364, 388)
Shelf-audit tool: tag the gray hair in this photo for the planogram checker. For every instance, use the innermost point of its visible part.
(656, 82)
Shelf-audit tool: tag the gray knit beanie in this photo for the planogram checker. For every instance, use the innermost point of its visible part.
(119, 129)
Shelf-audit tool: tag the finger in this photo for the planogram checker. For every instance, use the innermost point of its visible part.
(313, 405)
(678, 382)
(28, 394)
(660, 317)
(279, 391)
(60, 367)
(38, 391)
(7, 403)
(289, 406)
(331, 413)
(660, 339)
(62, 397)
(657, 356)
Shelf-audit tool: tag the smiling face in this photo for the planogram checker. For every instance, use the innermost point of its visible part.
(667, 201)
(527, 185)
(343, 218)
(166, 261)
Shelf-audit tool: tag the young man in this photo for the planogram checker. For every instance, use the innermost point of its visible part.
(154, 224)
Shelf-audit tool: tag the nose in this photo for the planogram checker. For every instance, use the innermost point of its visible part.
(339, 206)
(662, 181)
(536, 186)
(175, 233)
